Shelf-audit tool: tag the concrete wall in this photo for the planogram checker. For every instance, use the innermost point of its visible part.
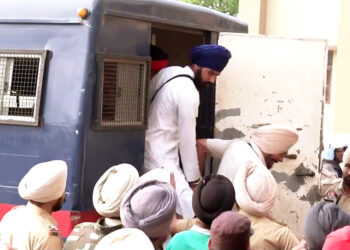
(320, 19)
(275, 80)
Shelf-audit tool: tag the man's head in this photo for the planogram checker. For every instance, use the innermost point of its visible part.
(346, 170)
(230, 230)
(150, 206)
(208, 61)
(45, 182)
(256, 189)
(111, 187)
(336, 146)
(274, 142)
(322, 219)
(160, 59)
(213, 195)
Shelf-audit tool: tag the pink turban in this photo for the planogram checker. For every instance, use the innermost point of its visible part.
(338, 240)
(256, 189)
(346, 156)
(274, 139)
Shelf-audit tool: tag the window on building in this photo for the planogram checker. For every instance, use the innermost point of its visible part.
(329, 76)
(21, 76)
(123, 92)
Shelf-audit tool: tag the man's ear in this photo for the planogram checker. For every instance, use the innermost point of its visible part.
(195, 68)
(209, 243)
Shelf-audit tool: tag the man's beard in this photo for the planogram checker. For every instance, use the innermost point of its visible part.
(58, 204)
(346, 180)
(198, 82)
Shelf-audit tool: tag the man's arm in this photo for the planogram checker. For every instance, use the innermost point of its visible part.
(187, 112)
(215, 147)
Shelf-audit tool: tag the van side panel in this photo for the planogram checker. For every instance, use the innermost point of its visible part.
(58, 134)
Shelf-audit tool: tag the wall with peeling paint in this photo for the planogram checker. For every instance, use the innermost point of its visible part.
(275, 80)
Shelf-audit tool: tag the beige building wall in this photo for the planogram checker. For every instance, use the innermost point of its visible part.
(313, 19)
(341, 88)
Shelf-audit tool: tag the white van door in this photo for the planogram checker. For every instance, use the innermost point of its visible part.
(277, 80)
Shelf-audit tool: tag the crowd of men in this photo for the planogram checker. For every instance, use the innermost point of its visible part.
(172, 205)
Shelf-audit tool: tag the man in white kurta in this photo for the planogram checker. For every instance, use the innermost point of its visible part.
(268, 145)
(172, 117)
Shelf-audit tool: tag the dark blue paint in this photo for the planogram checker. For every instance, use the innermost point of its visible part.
(121, 27)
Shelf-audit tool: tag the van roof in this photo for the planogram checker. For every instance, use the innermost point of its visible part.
(158, 11)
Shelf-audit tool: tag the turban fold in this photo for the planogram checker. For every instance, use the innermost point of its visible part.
(125, 239)
(213, 195)
(149, 206)
(338, 240)
(44, 182)
(256, 189)
(210, 56)
(346, 156)
(230, 230)
(322, 219)
(111, 188)
(157, 174)
(274, 139)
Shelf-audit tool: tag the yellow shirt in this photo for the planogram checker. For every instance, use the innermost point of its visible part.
(269, 235)
(29, 227)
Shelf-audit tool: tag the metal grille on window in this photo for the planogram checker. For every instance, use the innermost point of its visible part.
(123, 93)
(20, 87)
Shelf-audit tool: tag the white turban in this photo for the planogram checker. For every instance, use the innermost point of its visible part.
(256, 189)
(125, 239)
(274, 139)
(157, 174)
(111, 188)
(346, 156)
(44, 182)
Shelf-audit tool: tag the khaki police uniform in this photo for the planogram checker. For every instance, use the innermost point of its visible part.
(29, 227)
(270, 235)
(86, 235)
(332, 190)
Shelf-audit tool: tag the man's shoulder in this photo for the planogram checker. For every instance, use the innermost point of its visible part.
(81, 237)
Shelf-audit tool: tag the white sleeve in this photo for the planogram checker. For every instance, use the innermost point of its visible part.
(188, 104)
(217, 147)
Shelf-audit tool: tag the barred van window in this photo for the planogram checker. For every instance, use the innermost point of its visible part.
(21, 74)
(123, 93)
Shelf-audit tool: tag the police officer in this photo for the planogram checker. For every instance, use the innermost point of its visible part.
(337, 190)
(107, 196)
(32, 226)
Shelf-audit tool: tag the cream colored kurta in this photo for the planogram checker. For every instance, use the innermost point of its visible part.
(269, 235)
(30, 227)
(234, 153)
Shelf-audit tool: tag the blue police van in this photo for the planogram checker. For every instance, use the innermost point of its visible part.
(73, 86)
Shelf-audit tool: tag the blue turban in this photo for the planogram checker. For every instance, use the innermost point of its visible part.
(210, 56)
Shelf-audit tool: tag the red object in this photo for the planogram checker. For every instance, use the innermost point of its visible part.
(159, 64)
(338, 240)
(66, 220)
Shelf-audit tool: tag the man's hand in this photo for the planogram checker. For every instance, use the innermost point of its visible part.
(202, 152)
(194, 184)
